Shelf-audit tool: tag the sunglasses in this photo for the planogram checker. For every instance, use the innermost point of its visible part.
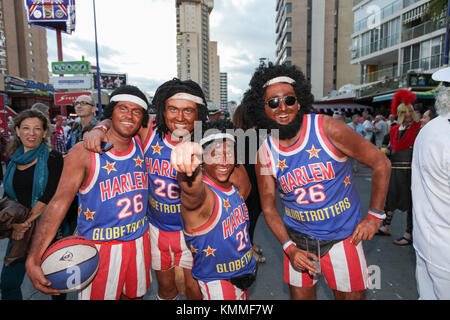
(82, 103)
(275, 102)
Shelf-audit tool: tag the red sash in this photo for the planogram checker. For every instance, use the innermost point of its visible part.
(408, 138)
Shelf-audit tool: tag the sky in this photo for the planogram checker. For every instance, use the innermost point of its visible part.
(140, 40)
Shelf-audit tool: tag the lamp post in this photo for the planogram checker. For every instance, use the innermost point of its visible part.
(99, 91)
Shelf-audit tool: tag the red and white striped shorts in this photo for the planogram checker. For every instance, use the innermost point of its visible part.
(169, 249)
(221, 290)
(344, 268)
(124, 268)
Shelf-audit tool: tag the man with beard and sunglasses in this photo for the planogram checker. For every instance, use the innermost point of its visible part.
(306, 156)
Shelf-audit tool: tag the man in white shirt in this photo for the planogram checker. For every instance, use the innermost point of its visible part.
(430, 188)
(368, 127)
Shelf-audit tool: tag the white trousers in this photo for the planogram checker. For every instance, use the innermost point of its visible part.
(432, 283)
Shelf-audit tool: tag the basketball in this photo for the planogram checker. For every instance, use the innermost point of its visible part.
(70, 263)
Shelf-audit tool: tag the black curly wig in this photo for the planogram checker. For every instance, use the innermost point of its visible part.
(167, 90)
(131, 90)
(254, 97)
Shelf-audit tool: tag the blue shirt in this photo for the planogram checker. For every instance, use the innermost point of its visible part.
(112, 205)
(221, 247)
(315, 183)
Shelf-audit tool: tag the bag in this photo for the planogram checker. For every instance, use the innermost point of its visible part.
(13, 212)
(300, 240)
(245, 281)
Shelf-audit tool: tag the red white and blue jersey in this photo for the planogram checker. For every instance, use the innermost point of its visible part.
(112, 204)
(164, 207)
(221, 247)
(315, 183)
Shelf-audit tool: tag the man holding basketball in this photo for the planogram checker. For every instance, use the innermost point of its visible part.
(111, 209)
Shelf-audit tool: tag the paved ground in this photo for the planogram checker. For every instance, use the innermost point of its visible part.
(392, 266)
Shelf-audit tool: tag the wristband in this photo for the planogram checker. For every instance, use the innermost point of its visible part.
(288, 245)
(101, 127)
(376, 214)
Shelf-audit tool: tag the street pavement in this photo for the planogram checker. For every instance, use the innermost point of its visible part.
(391, 267)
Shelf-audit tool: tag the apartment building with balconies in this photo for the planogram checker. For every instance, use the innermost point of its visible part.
(393, 43)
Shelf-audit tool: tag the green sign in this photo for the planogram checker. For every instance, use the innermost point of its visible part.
(71, 67)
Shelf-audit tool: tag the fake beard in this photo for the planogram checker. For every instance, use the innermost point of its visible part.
(284, 131)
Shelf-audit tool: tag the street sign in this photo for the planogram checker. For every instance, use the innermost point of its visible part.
(71, 67)
(78, 82)
(68, 98)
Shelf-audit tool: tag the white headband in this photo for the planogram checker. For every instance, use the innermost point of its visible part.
(277, 80)
(218, 136)
(130, 98)
(187, 96)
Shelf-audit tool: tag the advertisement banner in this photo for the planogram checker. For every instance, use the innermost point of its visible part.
(68, 98)
(78, 82)
(53, 14)
(110, 80)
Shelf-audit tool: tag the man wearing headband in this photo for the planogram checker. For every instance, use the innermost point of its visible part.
(401, 142)
(178, 105)
(111, 208)
(215, 216)
(306, 157)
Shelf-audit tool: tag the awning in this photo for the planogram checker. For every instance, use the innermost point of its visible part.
(419, 95)
(349, 107)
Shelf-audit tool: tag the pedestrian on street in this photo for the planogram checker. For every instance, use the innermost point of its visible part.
(31, 178)
(179, 104)
(215, 215)
(430, 186)
(305, 158)
(402, 137)
(124, 257)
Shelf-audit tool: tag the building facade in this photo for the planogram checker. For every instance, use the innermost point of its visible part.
(23, 48)
(396, 45)
(193, 45)
(223, 89)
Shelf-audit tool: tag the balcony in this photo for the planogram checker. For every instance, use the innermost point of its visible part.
(422, 29)
(378, 16)
(423, 64)
(378, 45)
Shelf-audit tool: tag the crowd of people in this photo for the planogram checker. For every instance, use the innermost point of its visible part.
(185, 204)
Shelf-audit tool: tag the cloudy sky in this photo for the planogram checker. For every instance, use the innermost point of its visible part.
(138, 37)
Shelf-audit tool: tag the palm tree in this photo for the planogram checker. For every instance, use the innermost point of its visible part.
(436, 10)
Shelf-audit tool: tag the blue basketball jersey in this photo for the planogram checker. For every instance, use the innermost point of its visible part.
(164, 207)
(112, 204)
(221, 248)
(315, 183)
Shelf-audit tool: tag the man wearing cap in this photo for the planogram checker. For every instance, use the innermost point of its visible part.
(111, 209)
(178, 105)
(430, 186)
(306, 159)
(85, 110)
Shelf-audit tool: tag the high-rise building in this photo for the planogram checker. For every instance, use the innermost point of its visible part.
(307, 35)
(23, 48)
(396, 46)
(193, 45)
(223, 89)
(214, 74)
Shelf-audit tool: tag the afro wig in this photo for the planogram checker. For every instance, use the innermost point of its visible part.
(167, 90)
(254, 97)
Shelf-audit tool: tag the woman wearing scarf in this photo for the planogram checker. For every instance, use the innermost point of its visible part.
(31, 178)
